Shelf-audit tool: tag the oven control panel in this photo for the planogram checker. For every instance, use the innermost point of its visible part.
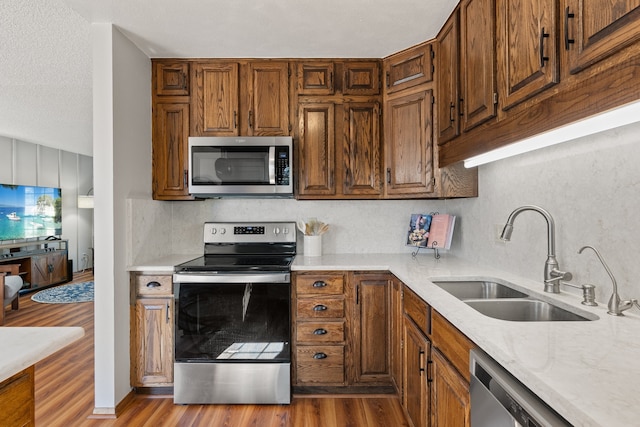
(247, 232)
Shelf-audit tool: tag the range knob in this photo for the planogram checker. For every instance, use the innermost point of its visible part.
(276, 231)
(223, 230)
(214, 230)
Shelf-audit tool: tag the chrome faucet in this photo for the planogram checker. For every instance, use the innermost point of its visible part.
(552, 273)
(616, 305)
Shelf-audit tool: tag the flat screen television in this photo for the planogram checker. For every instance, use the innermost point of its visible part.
(28, 212)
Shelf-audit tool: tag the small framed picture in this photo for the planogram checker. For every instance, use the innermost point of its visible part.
(418, 233)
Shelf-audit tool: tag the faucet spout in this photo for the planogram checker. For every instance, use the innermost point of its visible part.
(552, 273)
(616, 305)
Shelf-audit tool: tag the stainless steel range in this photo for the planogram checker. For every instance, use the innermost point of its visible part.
(232, 332)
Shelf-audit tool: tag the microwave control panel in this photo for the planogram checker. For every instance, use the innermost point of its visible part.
(283, 168)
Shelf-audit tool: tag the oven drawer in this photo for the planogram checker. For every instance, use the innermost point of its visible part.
(320, 364)
(320, 284)
(320, 308)
(320, 332)
(154, 285)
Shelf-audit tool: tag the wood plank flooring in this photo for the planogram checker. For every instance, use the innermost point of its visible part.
(65, 396)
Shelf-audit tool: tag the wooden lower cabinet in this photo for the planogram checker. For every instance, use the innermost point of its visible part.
(341, 331)
(435, 361)
(450, 401)
(152, 331)
(416, 384)
(17, 399)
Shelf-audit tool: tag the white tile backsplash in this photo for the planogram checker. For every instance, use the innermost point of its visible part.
(590, 186)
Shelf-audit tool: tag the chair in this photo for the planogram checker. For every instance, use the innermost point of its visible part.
(9, 287)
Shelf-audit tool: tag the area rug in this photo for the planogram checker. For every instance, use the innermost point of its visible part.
(66, 294)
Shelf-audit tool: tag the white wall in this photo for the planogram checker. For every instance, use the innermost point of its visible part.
(122, 153)
(24, 163)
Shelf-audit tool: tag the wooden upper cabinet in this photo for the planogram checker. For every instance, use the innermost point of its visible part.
(315, 78)
(169, 151)
(595, 29)
(361, 149)
(268, 98)
(171, 78)
(316, 151)
(448, 105)
(215, 99)
(479, 95)
(409, 68)
(409, 145)
(528, 60)
(361, 78)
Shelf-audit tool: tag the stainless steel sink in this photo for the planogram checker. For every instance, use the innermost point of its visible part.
(479, 289)
(524, 310)
(500, 301)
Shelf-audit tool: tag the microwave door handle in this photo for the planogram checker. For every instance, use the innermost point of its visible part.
(272, 165)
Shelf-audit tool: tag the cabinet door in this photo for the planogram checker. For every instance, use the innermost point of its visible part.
(153, 341)
(215, 99)
(416, 386)
(409, 145)
(171, 78)
(410, 68)
(40, 270)
(58, 263)
(361, 149)
(372, 328)
(595, 29)
(315, 78)
(169, 154)
(269, 98)
(317, 149)
(396, 334)
(450, 402)
(448, 105)
(361, 78)
(527, 49)
(477, 62)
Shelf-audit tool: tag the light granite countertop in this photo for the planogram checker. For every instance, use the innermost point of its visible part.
(587, 371)
(25, 346)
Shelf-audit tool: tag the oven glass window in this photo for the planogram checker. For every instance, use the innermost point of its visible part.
(233, 322)
(230, 165)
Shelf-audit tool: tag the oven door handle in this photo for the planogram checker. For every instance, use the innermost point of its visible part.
(284, 278)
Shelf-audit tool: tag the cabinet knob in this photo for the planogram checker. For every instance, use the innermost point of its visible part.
(319, 356)
(320, 307)
(319, 284)
(320, 331)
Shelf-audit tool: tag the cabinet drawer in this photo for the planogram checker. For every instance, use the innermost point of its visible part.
(320, 284)
(154, 285)
(320, 364)
(320, 308)
(453, 344)
(417, 310)
(320, 332)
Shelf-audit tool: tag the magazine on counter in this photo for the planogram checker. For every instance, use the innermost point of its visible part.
(431, 230)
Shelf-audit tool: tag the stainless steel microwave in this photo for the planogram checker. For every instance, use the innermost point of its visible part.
(241, 166)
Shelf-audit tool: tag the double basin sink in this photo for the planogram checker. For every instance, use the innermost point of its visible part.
(501, 301)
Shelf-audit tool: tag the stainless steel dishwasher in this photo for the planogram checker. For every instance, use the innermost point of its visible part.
(499, 400)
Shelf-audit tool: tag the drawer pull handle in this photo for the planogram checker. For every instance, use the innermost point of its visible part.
(153, 284)
(319, 284)
(320, 331)
(319, 356)
(320, 307)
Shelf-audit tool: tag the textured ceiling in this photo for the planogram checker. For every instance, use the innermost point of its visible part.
(45, 74)
(45, 46)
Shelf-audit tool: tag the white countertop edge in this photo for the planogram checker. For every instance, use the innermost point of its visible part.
(25, 346)
(165, 264)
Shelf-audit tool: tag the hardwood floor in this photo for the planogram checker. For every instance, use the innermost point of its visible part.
(65, 396)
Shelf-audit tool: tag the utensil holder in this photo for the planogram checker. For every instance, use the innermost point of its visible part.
(312, 245)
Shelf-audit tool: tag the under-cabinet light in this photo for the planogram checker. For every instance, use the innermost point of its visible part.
(617, 117)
